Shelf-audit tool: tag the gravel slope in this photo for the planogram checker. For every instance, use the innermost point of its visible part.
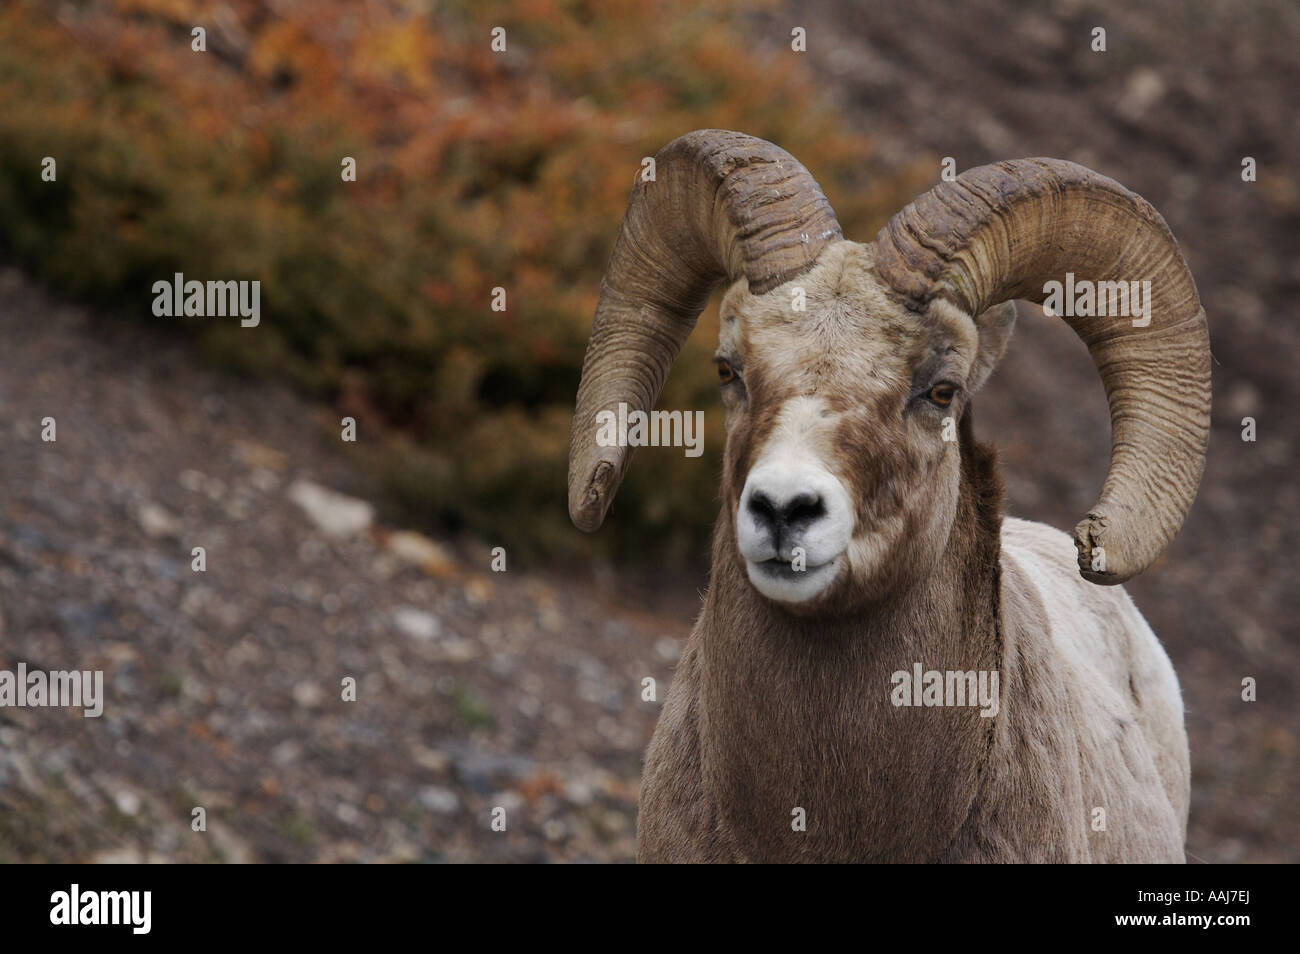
(475, 689)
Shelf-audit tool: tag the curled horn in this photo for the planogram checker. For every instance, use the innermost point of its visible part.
(722, 205)
(1003, 231)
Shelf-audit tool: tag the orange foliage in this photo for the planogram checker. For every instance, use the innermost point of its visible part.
(476, 169)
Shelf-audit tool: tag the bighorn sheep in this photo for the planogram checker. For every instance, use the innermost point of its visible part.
(785, 706)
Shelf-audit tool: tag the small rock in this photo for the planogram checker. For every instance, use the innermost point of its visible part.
(1143, 90)
(579, 792)
(416, 623)
(502, 664)
(477, 769)
(428, 758)
(286, 752)
(614, 821)
(333, 513)
(214, 487)
(157, 522)
(667, 649)
(438, 799)
(509, 800)
(308, 694)
(127, 802)
(458, 649)
(478, 590)
(419, 550)
(554, 829)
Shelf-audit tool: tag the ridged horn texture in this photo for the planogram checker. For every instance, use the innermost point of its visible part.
(722, 205)
(1003, 231)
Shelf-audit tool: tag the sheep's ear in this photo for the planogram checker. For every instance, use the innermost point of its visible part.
(995, 327)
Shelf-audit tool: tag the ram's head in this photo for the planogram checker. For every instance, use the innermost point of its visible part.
(846, 368)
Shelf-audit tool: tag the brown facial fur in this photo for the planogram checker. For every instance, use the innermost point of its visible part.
(844, 374)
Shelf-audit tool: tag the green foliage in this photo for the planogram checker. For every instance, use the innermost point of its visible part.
(475, 170)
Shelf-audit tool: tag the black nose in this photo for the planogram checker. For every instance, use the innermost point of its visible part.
(794, 514)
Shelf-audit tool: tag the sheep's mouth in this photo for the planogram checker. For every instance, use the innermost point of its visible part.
(781, 570)
(778, 580)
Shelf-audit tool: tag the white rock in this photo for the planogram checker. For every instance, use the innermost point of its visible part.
(419, 550)
(438, 799)
(308, 694)
(127, 801)
(157, 522)
(416, 623)
(335, 514)
(667, 648)
(579, 792)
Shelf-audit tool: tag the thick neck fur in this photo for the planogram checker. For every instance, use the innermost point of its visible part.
(797, 713)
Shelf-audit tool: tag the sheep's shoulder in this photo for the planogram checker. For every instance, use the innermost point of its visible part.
(1085, 659)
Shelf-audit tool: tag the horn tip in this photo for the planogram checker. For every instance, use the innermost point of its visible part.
(1097, 564)
(588, 506)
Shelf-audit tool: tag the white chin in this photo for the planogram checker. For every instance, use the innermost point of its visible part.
(778, 582)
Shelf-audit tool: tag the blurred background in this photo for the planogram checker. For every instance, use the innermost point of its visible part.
(478, 169)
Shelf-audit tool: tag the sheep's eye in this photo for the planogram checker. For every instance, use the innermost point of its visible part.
(942, 394)
(726, 373)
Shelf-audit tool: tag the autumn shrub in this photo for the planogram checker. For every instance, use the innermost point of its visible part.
(476, 170)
